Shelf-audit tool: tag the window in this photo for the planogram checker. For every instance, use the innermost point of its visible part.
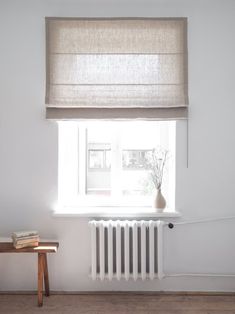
(105, 163)
(115, 69)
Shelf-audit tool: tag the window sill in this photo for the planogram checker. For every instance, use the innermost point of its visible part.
(114, 212)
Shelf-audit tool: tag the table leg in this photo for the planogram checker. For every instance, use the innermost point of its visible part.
(40, 278)
(46, 277)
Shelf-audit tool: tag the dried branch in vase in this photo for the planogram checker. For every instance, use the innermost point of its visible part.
(155, 163)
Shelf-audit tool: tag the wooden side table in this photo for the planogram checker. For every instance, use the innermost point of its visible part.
(41, 250)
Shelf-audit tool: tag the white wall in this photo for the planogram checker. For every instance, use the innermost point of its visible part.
(28, 147)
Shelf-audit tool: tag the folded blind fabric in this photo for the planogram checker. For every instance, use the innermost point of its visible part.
(116, 68)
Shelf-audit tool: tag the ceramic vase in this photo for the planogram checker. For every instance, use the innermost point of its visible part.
(159, 201)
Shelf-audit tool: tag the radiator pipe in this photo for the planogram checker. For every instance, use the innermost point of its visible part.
(203, 220)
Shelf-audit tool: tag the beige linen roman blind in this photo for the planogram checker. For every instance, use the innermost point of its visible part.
(116, 68)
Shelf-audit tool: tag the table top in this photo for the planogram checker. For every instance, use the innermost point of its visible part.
(43, 247)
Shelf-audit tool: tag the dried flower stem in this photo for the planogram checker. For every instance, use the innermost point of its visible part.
(156, 164)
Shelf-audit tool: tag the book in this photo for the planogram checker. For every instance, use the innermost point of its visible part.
(21, 246)
(23, 234)
(26, 240)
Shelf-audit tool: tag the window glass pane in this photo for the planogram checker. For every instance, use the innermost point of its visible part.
(135, 175)
(98, 175)
(137, 143)
(119, 152)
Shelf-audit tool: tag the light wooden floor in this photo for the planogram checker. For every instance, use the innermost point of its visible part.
(119, 303)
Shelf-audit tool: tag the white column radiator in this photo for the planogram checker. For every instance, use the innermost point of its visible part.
(126, 249)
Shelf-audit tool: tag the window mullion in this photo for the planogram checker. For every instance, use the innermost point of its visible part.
(82, 164)
(116, 166)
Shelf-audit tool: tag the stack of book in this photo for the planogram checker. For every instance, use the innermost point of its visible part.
(25, 239)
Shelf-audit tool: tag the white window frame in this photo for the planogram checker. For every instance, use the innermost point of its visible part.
(72, 177)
